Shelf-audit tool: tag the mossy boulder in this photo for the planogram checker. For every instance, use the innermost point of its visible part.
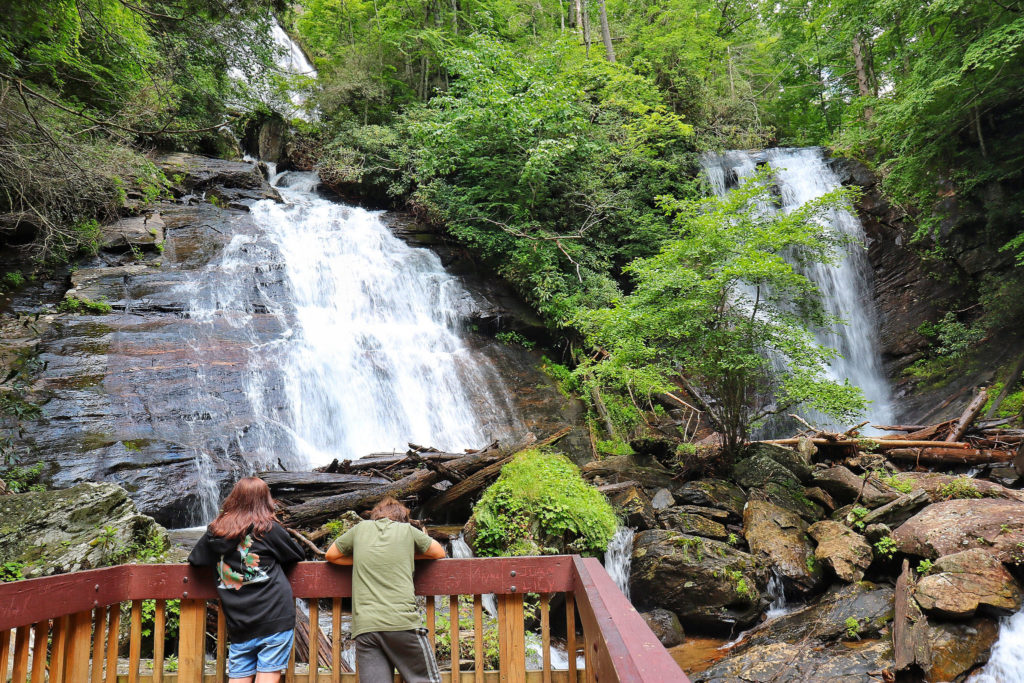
(780, 539)
(540, 505)
(86, 526)
(708, 584)
(713, 493)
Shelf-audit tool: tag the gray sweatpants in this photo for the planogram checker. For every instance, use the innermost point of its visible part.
(379, 653)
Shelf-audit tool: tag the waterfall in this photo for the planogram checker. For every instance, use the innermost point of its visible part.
(289, 61)
(777, 595)
(1006, 663)
(461, 549)
(802, 175)
(618, 558)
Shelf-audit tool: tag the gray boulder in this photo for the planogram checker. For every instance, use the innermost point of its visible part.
(992, 524)
(842, 550)
(963, 583)
(706, 583)
(86, 526)
(665, 625)
(713, 493)
(780, 538)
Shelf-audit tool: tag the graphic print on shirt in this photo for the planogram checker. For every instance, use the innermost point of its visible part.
(251, 571)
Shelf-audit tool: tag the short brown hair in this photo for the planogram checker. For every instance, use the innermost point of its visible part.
(389, 508)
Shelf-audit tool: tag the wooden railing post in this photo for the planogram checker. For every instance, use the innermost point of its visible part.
(191, 633)
(76, 662)
(511, 639)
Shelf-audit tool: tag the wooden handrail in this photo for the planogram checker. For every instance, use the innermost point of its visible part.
(619, 645)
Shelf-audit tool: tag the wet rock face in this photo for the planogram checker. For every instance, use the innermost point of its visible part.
(705, 583)
(837, 663)
(780, 538)
(957, 648)
(963, 583)
(713, 493)
(665, 625)
(845, 487)
(993, 525)
(87, 526)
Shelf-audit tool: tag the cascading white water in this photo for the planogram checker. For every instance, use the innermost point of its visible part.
(777, 594)
(1006, 663)
(618, 557)
(461, 549)
(802, 175)
(289, 61)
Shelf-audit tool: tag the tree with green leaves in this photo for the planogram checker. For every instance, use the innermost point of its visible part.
(724, 311)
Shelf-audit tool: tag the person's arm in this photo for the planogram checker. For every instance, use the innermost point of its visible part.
(434, 552)
(426, 547)
(201, 555)
(341, 550)
(287, 550)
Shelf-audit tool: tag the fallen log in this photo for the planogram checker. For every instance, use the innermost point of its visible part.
(303, 485)
(319, 510)
(900, 428)
(910, 625)
(878, 444)
(479, 479)
(378, 461)
(950, 456)
(968, 416)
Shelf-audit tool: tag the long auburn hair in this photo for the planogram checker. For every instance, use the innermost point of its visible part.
(248, 506)
(389, 508)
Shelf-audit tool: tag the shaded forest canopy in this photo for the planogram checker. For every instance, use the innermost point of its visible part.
(559, 140)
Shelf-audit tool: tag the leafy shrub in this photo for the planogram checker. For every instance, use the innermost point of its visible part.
(886, 547)
(961, 487)
(541, 505)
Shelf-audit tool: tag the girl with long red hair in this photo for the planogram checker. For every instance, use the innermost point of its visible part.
(249, 546)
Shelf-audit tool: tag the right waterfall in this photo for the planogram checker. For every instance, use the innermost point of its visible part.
(800, 175)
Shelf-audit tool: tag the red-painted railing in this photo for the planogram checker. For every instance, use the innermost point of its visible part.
(66, 628)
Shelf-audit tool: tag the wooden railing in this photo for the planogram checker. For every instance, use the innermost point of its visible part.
(68, 628)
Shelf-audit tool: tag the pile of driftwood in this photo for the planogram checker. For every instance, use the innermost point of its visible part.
(956, 442)
(428, 479)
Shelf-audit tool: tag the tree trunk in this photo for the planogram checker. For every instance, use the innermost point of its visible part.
(1011, 381)
(950, 456)
(606, 34)
(968, 416)
(863, 82)
(586, 27)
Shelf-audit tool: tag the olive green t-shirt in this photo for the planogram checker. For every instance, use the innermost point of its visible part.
(382, 553)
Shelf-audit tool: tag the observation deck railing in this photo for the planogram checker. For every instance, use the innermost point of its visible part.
(67, 628)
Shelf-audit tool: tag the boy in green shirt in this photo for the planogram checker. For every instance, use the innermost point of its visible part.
(385, 621)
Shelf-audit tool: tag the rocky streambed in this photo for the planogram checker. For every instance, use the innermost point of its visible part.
(874, 564)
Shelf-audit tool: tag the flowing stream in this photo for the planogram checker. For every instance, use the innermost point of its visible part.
(801, 174)
(1006, 663)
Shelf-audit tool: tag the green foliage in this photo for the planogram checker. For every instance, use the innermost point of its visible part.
(886, 547)
(467, 647)
(961, 487)
(12, 571)
(852, 628)
(23, 478)
(541, 504)
(721, 299)
(893, 481)
(81, 305)
(924, 566)
(857, 515)
(613, 447)
(513, 338)
(13, 279)
(172, 618)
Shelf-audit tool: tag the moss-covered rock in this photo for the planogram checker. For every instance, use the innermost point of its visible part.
(541, 505)
(86, 526)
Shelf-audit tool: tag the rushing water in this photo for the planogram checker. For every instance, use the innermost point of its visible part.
(1006, 663)
(618, 557)
(461, 549)
(802, 175)
(777, 594)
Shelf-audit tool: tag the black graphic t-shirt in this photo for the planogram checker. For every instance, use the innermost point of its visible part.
(253, 588)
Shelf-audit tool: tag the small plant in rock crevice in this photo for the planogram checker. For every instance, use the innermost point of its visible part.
(852, 625)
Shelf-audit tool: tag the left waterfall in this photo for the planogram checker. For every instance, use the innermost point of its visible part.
(353, 339)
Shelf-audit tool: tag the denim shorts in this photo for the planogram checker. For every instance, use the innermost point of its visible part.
(266, 654)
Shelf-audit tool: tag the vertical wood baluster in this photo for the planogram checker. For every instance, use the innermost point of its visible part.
(511, 639)
(314, 639)
(5, 653)
(159, 633)
(113, 633)
(570, 634)
(222, 643)
(99, 632)
(61, 627)
(545, 635)
(20, 669)
(290, 673)
(430, 623)
(39, 636)
(135, 641)
(336, 640)
(453, 619)
(76, 659)
(478, 639)
(191, 640)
